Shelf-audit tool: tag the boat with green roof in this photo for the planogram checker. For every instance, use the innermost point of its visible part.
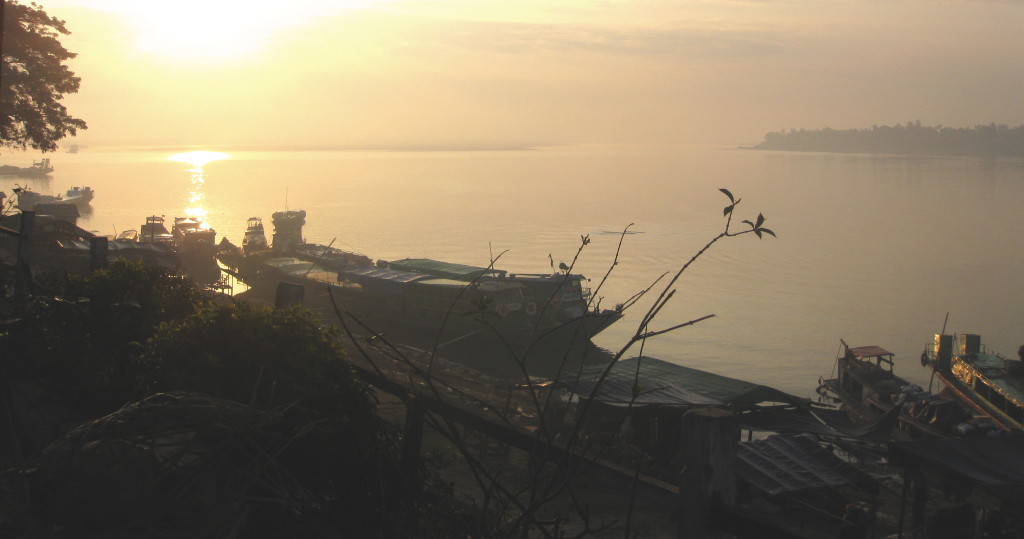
(431, 297)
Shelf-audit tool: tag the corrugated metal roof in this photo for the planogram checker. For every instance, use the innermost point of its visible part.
(781, 464)
(663, 383)
(450, 270)
(384, 274)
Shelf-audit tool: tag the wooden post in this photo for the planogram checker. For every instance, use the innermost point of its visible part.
(23, 271)
(98, 251)
(919, 501)
(289, 294)
(413, 443)
(708, 447)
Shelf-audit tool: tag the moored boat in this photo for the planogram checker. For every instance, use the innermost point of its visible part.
(255, 239)
(194, 238)
(38, 169)
(986, 381)
(430, 297)
(868, 389)
(28, 199)
(79, 195)
(154, 231)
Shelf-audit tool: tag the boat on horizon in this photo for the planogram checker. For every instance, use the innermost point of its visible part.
(986, 381)
(453, 301)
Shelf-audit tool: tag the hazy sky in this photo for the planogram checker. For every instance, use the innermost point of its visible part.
(485, 72)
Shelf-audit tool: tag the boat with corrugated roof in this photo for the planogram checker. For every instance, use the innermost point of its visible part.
(457, 300)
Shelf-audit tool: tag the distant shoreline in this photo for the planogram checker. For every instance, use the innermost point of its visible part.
(911, 139)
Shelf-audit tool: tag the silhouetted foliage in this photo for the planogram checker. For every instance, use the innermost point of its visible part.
(82, 335)
(34, 79)
(243, 421)
(912, 138)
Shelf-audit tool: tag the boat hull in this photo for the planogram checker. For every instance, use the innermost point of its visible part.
(422, 307)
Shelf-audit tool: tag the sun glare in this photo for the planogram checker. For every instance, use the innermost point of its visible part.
(216, 30)
(198, 158)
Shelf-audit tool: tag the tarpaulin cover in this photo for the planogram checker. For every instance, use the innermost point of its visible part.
(781, 464)
(820, 421)
(995, 463)
(984, 460)
(663, 383)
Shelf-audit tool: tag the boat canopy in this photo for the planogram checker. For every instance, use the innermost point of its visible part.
(664, 383)
(449, 270)
(864, 352)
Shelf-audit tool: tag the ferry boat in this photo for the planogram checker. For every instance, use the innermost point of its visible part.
(868, 389)
(986, 381)
(425, 295)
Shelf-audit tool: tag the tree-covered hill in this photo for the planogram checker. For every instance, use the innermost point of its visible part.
(911, 138)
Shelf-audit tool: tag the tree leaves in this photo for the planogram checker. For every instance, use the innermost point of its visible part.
(35, 79)
(757, 227)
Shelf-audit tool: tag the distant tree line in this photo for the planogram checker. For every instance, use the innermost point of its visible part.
(911, 138)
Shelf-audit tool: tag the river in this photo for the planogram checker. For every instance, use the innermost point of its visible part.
(871, 249)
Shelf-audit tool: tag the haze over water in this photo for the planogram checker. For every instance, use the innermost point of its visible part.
(613, 95)
(870, 249)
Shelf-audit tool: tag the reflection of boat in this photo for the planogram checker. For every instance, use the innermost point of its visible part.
(79, 195)
(868, 389)
(428, 296)
(987, 382)
(38, 168)
(255, 239)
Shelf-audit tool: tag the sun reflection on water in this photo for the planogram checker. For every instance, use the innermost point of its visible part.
(198, 159)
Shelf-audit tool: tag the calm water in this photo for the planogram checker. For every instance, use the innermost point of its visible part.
(871, 249)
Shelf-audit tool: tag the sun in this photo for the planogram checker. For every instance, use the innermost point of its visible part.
(217, 30)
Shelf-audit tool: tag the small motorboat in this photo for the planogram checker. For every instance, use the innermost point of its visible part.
(79, 195)
(255, 239)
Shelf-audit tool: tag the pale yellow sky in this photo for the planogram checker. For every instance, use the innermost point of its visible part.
(492, 72)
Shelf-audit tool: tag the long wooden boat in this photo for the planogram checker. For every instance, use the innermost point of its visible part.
(450, 300)
(868, 388)
(37, 170)
(986, 381)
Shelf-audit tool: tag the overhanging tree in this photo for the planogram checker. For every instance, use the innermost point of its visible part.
(34, 78)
